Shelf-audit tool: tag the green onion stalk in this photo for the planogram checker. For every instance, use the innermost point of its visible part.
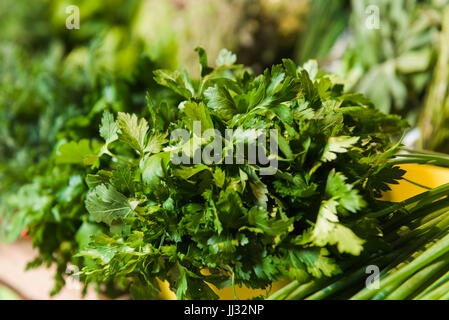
(414, 264)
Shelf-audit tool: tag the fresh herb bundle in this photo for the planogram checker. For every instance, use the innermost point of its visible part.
(230, 224)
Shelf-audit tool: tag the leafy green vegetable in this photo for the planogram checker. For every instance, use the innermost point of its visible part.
(106, 204)
(171, 220)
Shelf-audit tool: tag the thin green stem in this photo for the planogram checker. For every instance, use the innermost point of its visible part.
(420, 159)
(424, 197)
(406, 289)
(438, 293)
(416, 184)
(422, 151)
(437, 283)
(306, 289)
(425, 213)
(445, 296)
(285, 291)
(119, 157)
(338, 285)
(427, 257)
(440, 222)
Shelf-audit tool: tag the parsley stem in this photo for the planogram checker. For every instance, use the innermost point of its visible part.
(119, 158)
(416, 184)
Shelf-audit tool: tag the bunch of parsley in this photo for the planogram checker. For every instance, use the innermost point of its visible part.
(229, 224)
